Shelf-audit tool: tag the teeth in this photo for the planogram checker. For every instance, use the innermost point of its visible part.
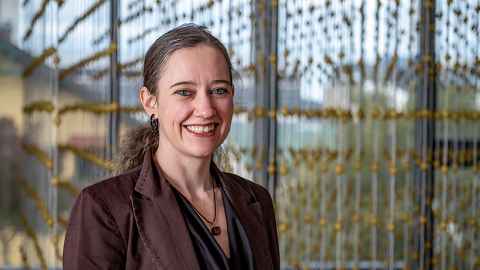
(201, 129)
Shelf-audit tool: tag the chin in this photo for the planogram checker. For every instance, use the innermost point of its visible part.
(201, 149)
(200, 152)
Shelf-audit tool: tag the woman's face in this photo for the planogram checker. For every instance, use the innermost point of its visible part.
(195, 102)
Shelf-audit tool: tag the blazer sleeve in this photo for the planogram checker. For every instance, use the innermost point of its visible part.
(93, 240)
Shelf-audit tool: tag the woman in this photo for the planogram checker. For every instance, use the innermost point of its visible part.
(173, 208)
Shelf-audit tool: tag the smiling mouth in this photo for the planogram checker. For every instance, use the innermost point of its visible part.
(204, 130)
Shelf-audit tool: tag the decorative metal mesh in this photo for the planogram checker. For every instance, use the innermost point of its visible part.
(360, 117)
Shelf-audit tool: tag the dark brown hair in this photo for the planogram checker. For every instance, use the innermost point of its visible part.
(142, 139)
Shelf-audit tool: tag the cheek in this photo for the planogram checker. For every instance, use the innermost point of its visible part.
(225, 109)
(174, 114)
(181, 114)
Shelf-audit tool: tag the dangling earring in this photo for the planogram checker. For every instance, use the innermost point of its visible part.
(154, 124)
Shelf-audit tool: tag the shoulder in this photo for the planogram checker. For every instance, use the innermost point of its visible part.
(99, 224)
(259, 191)
(104, 205)
(113, 191)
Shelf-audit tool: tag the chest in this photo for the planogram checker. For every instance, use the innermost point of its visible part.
(158, 237)
(211, 215)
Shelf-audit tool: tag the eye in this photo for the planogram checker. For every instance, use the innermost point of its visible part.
(183, 93)
(219, 91)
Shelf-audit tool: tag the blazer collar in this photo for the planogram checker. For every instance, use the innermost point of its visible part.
(163, 229)
(249, 211)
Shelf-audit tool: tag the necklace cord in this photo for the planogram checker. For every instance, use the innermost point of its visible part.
(214, 206)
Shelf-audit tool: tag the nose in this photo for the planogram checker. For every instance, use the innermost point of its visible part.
(204, 106)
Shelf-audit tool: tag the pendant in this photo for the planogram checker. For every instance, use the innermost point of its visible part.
(216, 230)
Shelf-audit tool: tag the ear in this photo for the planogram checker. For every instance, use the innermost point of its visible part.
(149, 101)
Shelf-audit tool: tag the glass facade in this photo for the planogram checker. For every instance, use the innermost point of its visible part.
(360, 117)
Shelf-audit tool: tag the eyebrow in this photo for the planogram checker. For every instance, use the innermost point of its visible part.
(180, 83)
(190, 82)
(222, 81)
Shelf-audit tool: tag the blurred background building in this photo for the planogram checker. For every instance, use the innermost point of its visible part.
(361, 117)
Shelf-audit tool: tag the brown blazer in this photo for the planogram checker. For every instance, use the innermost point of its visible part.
(132, 221)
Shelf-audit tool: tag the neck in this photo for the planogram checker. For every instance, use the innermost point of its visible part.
(190, 175)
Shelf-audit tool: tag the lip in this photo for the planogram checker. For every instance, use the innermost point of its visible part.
(204, 124)
(202, 134)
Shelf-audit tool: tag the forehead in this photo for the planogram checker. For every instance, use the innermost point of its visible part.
(199, 63)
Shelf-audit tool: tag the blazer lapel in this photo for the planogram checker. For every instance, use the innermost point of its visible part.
(160, 221)
(249, 212)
